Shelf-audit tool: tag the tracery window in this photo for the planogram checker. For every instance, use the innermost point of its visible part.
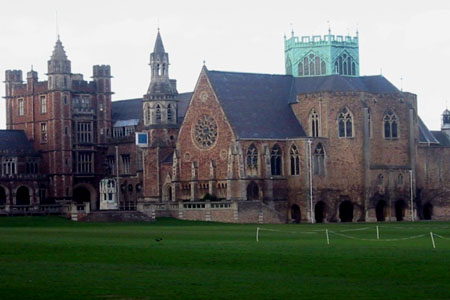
(345, 65)
(345, 123)
(295, 160)
(319, 160)
(9, 165)
(275, 160)
(390, 125)
(314, 121)
(312, 65)
(252, 160)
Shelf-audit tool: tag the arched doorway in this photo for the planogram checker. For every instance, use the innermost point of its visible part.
(427, 211)
(295, 213)
(23, 196)
(346, 211)
(252, 191)
(81, 195)
(319, 212)
(400, 210)
(2, 196)
(381, 211)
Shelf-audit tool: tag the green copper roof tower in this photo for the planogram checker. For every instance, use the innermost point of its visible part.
(322, 55)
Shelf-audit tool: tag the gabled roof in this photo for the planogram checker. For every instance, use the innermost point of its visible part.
(15, 142)
(425, 135)
(256, 105)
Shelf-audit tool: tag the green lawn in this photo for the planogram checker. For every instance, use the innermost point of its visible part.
(53, 258)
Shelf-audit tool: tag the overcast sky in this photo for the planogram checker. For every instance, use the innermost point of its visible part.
(401, 39)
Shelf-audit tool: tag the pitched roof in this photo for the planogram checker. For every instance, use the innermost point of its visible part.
(256, 105)
(443, 139)
(425, 135)
(15, 142)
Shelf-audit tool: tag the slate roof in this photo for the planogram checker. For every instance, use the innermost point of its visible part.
(425, 135)
(131, 109)
(443, 139)
(336, 83)
(256, 104)
(15, 142)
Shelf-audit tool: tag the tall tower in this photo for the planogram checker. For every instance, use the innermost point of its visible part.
(322, 55)
(160, 106)
(59, 69)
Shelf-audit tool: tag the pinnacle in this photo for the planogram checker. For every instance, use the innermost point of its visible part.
(159, 47)
(58, 51)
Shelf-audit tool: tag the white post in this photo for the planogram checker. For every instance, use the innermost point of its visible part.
(411, 195)
(432, 240)
(117, 176)
(328, 238)
(310, 183)
(257, 234)
(378, 233)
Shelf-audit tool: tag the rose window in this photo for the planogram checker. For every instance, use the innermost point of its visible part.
(205, 132)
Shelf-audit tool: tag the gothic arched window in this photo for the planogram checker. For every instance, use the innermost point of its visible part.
(295, 160)
(252, 160)
(319, 160)
(314, 121)
(169, 112)
(312, 65)
(345, 123)
(275, 160)
(390, 121)
(345, 65)
(158, 113)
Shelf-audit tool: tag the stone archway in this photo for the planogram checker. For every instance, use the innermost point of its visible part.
(346, 211)
(23, 196)
(400, 210)
(85, 193)
(296, 215)
(3, 195)
(381, 210)
(427, 211)
(319, 212)
(252, 191)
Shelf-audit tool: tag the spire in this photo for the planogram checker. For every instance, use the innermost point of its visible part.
(58, 51)
(159, 47)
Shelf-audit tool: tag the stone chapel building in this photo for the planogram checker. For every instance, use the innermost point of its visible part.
(319, 144)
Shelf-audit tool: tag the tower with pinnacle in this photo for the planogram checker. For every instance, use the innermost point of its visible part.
(160, 105)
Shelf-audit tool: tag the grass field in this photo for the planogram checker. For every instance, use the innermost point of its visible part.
(53, 258)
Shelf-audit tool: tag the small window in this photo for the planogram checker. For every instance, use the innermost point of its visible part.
(21, 108)
(43, 105)
(400, 179)
(158, 113)
(314, 121)
(65, 99)
(380, 179)
(44, 133)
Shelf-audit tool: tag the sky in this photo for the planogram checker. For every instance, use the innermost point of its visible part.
(406, 41)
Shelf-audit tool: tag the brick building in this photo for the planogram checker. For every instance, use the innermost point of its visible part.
(320, 143)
